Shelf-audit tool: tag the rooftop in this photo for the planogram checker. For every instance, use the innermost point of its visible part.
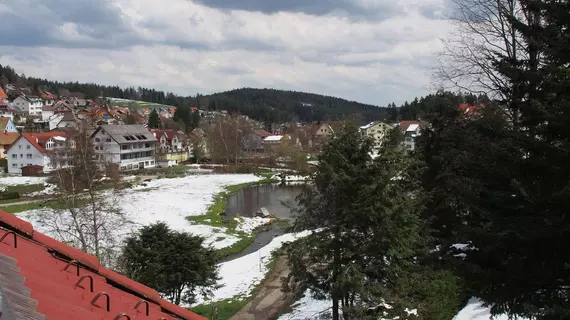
(41, 278)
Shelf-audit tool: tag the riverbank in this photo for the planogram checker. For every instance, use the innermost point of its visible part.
(215, 217)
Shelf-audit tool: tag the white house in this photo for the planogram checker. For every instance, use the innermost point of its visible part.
(6, 111)
(411, 131)
(377, 131)
(131, 147)
(171, 148)
(32, 105)
(35, 149)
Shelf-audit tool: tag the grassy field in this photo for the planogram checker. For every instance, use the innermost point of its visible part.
(137, 104)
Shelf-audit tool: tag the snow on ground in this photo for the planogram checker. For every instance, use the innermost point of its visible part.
(307, 308)
(48, 190)
(247, 225)
(239, 276)
(17, 180)
(474, 310)
(171, 200)
(291, 178)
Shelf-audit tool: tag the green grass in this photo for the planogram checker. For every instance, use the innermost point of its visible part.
(25, 188)
(54, 204)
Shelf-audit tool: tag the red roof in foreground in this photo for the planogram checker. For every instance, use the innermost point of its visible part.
(41, 276)
(39, 139)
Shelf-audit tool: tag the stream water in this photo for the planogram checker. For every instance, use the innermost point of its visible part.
(276, 198)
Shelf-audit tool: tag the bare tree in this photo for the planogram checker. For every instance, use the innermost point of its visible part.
(485, 38)
(225, 137)
(86, 215)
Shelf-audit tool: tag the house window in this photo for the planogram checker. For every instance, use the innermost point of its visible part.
(124, 147)
(21, 155)
(28, 156)
(19, 146)
(146, 163)
(147, 145)
(28, 147)
(152, 163)
(108, 140)
(14, 165)
(21, 165)
(29, 164)
(97, 140)
(14, 156)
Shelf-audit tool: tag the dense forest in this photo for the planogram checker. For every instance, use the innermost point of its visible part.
(266, 105)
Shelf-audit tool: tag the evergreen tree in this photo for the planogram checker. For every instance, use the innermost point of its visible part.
(501, 185)
(195, 119)
(173, 263)
(154, 120)
(368, 226)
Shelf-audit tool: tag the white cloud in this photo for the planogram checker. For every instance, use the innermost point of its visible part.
(188, 48)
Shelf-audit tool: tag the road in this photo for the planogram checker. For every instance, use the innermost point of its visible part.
(269, 300)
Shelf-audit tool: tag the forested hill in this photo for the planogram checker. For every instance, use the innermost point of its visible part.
(281, 105)
(260, 104)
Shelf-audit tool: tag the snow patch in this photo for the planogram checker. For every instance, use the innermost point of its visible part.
(239, 276)
(18, 180)
(474, 310)
(307, 308)
(247, 225)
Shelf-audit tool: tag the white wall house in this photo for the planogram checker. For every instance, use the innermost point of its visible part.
(132, 147)
(32, 105)
(377, 131)
(411, 131)
(35, 149)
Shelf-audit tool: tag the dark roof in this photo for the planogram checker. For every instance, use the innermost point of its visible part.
(37, 283)
(262, 133)
(119, 132)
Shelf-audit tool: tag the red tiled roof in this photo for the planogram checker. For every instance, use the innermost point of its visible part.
(170, 134)
(3, 94)
(7, 138)
(469, 109)
(39, 139)
(67, 283)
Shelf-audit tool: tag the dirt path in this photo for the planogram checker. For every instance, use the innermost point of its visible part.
(7, 204)
(269, 300)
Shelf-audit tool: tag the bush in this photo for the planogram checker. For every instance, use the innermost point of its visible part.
(9, 195)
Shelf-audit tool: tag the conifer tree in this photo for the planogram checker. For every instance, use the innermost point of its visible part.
(153, 120)
(367, 222)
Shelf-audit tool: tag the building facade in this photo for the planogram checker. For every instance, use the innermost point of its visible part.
(131, 147)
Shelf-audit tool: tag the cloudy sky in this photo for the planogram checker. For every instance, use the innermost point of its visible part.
(373, 51)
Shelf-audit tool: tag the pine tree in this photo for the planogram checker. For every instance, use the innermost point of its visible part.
(502, 186)
(153, 120)
(367, 222)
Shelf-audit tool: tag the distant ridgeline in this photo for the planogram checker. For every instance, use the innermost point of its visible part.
(266, 105)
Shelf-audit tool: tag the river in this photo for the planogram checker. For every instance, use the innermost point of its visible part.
(275, 198)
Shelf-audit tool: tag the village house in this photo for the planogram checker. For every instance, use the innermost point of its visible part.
(48, 98)
(32, 105)
(377, 131)
(7, 125)
(411, 131)
(37, 149)
(3, 97)
(275, 141)
(6, 140)
(321, 131)
(253, 141)
(171, 148)
(6, 111)
(131, 147)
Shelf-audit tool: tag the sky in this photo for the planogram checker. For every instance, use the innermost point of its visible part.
(372, 51)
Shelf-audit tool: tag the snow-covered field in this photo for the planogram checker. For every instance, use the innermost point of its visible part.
(18, 180)
(239, 276)
(171, 200)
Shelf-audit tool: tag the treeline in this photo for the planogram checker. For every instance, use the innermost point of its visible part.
(265, 105)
